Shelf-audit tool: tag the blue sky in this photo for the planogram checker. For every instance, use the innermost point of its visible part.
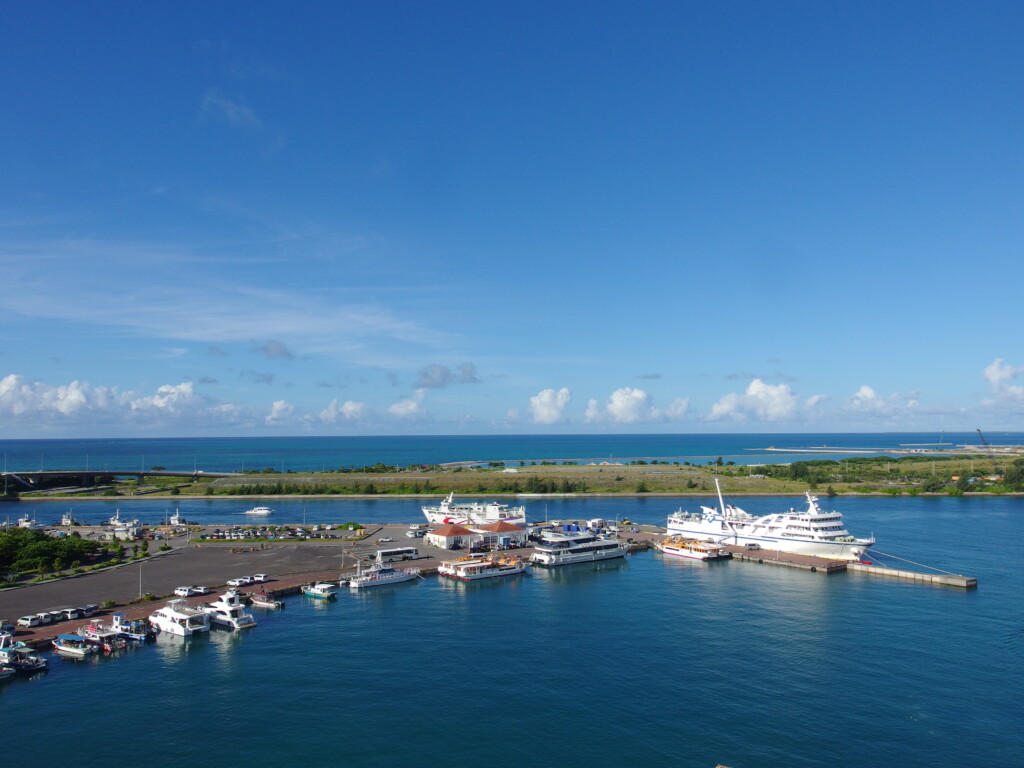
(463, 217)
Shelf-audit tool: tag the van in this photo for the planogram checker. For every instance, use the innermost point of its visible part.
(44, 617)
(28, 621)
(71, 613)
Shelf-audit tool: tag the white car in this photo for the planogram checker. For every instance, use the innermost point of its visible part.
(385, 538)
(259, 577)
(189, 591)
(241, 581)
(28, 621)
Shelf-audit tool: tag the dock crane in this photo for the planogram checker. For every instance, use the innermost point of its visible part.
(991, 453)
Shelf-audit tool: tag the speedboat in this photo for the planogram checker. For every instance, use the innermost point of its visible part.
(567, 547)
(380, 574)
(810, 532)
(75, 645)
(260, 511)
(321, 590)
(179, 618)
(229, 611)
(473, 513)
(474, 568)
(692, 549)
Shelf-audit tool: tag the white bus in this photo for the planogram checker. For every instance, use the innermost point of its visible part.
(398, 553)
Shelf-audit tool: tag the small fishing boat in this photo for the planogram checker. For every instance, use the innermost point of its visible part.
(262, 600)
(22, 658)
(380, 574)
(321, 590)
(680, 546)
(75, 645)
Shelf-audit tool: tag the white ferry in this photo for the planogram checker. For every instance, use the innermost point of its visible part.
(473, 568)
(179, 618)
(473, 513)
(811, 532)
(692, 549)
(564, 548)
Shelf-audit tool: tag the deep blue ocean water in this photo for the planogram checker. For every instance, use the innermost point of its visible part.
(646, 661)
(320, 453)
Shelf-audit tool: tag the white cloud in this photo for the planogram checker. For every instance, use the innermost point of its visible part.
(410, 408)
(548, 405)
(436, 376)
(347, 411)
(763, 402)
(216, 105)
(280, 411)
(999, 376)
(630, 405)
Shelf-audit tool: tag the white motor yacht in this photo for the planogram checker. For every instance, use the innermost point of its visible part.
(567, 547)
(229, 611)
(473, 513)
(180, 618)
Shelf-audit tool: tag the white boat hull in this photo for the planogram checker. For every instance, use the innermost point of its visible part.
(569, 558)
(692, 554)
(356, 583)
(832, 550)
(453, 572)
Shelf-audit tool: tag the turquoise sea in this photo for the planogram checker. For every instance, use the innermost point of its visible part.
(643, 662)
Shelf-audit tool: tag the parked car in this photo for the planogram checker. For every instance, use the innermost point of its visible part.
(753, 545)
(189, 591)
(259, 577)
(241, 581)
(385, 538)
(71, 613)
(28, 621)
(44, 617)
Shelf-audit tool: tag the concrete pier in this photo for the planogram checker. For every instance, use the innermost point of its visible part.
(942, 579)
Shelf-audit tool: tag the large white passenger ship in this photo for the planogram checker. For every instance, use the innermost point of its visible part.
(473, 513)
(582, 547)
(811, 532)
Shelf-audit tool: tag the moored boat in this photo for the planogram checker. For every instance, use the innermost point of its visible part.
(107, 638)
(262, 600)
(680, 546)
(810, 532)
(566, 548)
(179, 618)
(75, 645)
(474, 568)
(380, 574)
(22, 658)
(321, 590)
(136, 630)
(473, 513)
(229, 611)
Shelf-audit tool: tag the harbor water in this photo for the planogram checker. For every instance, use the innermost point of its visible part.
(646, 661)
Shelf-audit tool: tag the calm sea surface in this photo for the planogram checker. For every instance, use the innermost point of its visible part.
(642, 662)
(320, 453)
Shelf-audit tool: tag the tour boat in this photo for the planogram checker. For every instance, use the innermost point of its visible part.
(473, 513)
(321, 590)
(179, 618)
(260, 511)
(22, 657)
(380, 574)
(107, 638)
(229, 611)
(136, 630)
(811, 532)
(567, 547)
(473, 568)
(75, 645)
(692, 549)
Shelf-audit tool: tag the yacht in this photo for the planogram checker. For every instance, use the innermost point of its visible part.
(321, 590)
(136, 630)
(380, 574)
(566, 547)
(809, 532)
(179, 618)
(229, 611)
(259, 511)
(680, 546)
(473, 513)
(474, 568)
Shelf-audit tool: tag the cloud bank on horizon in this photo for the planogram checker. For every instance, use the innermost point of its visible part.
(351, 220)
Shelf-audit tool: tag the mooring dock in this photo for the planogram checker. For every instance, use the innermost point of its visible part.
(826, 566)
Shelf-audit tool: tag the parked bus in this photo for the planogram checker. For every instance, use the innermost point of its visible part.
(398, 553)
